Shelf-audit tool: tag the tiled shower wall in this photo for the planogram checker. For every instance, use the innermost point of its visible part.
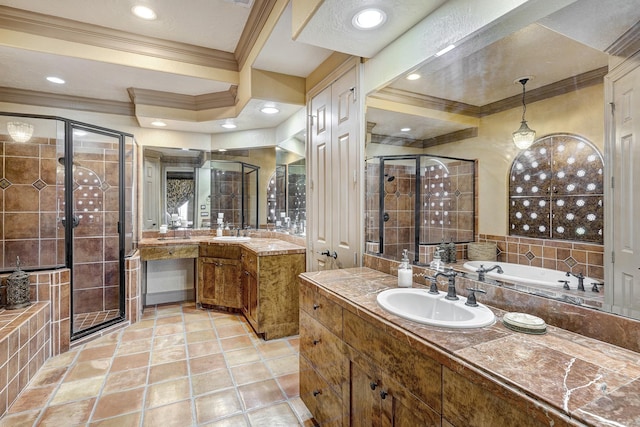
(29, 195)
(226, 196)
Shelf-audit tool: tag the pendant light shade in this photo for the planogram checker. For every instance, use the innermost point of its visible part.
(20, 131)
(524, 136)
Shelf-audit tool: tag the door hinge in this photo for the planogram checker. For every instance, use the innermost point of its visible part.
(612, 182)
(353, 92)
(613, 257)
(613, 107)
(355, 259)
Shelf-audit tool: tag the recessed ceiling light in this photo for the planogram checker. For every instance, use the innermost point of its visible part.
(229, 125)
(445, 50)
(413, 76)
(56, 80)
(158, 123)
(144, 12)
(269, 110)
(368, 19)
(405, 129)
(222, 150)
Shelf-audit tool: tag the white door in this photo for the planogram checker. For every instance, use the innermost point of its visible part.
(623, 283)
(333, 159)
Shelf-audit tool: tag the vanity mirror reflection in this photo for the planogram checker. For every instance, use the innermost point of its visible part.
(468, 102)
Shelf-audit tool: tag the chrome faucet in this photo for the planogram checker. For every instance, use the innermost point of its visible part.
(451, 289)
(580, 278)
(481, 271)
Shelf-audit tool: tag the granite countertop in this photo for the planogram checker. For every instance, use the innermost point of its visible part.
(591, 381)
(258, 245)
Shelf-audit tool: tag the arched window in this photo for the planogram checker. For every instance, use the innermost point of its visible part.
(556, 190)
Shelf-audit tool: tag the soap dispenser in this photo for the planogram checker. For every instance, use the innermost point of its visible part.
(219, 230)
(405, 272)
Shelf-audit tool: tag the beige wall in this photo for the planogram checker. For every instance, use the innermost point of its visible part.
(580, 112)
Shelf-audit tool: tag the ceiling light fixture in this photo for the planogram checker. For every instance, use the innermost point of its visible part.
(229, 125)
(144, 12)
(20, 131)
(405, 129)
(445, 50)
(413, 76)
(222, 150)
(269, 110)
(158, 123)
(524, 136)
(368, 19)
(56, 80)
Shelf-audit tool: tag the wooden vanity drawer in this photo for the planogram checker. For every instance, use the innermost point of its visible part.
(249, 262)
(152, 253)
(320, 399)
(420, 374)
(220, 251)
(321, 308)
(324, 350)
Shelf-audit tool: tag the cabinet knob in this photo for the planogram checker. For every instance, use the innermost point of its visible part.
(317, 392)
(373, 385)
(316, 306)
(316, 342)
(383, 394)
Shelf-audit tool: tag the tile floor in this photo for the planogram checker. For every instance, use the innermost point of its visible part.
(179, 366)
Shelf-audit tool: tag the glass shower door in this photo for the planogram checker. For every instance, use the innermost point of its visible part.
(96, 212)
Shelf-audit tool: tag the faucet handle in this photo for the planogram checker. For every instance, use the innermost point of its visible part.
(433, 287)
(565, 285)
(595, 286)
(471, 299)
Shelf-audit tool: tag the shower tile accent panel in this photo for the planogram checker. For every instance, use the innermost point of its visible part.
(28, 204)
(399, 203)
(226, 195)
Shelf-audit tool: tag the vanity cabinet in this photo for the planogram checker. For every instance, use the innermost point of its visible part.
(270, 292)
(219, 276)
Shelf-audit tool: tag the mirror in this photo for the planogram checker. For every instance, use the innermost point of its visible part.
(195, 189)
(467, 103)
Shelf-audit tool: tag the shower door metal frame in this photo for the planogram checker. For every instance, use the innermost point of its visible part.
(253, 169)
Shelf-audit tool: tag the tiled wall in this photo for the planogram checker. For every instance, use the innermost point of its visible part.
(554, 254)
(29, 190)
(226, 196)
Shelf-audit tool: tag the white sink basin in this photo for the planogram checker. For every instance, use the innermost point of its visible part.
(232, 239)
(420, 306)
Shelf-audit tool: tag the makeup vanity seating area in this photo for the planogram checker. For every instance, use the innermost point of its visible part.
(360, 365)
(258, 277)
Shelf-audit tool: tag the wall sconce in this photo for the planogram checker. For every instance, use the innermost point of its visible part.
(20, 131)
(524, 137)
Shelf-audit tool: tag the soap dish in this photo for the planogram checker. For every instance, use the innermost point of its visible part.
(523, 322)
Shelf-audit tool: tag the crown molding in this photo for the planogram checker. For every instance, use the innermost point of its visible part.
(255, 23)
(185, 102)
(426, 101)
(627, 44)
(93, 35)
(52, 100)
(425, 143)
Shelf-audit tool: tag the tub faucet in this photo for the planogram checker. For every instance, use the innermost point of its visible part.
(580, 278)
(451, 289)
(481, 271)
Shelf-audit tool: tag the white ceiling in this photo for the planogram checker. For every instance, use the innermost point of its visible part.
(478, 79)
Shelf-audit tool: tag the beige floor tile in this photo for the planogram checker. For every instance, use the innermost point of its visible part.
(169, 320)
(143, 324)
(177, 414)
(93, 353)
(277, 415)
(88, 369)
(211, 382)
(234, 421)
(283, 365)
(167, 355)
(127, 420)
(212, 407)
(167, 341)
(25, 419)
(250, 373)
(233, 330)
(77, 390)
(32, 398)
(168, 392)
(169, 329)
(290, 384)
(198, 325)
(46, 376)
(199, 336)
(203, 348)
(168, 371)
(207, 363)
(125, 380)
(131, 361)
(272, 349)
(119, 403)
(263, 393)
(242, 356)
(68, 414)
(236, 343)
(301, 411)
(64, 359)
(132, 347)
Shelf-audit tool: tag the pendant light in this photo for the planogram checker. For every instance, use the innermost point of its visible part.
(524, 137)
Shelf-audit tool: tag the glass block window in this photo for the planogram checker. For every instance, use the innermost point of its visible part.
(556, 190)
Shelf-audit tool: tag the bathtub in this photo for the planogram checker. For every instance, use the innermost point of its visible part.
(528, 275)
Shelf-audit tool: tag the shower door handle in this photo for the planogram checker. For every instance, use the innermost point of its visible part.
(74, 222)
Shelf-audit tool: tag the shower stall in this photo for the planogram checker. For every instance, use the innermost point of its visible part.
(415, 201)
(67, 193)
(234, 193)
